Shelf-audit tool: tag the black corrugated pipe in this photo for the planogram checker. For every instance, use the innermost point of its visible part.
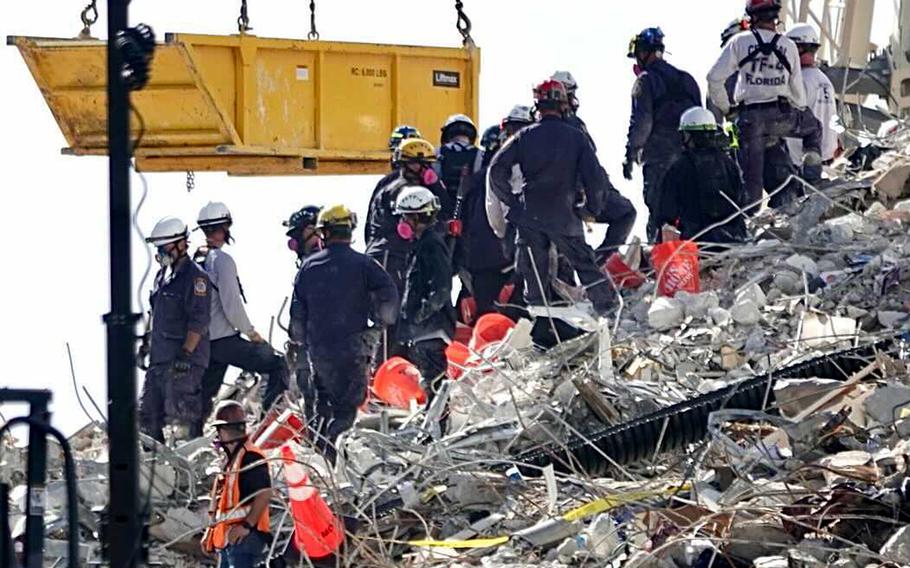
(686, 422)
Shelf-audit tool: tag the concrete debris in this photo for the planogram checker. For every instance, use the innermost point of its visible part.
(772, 411)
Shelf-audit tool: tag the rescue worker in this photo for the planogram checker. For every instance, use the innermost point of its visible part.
(304, 239)
(414, 159)
(483, 257)
(819, 95)
(427, 319)
(336, 293)
(519, 117)
(240, 495)
(618, 213)
(552, 156)
(229, 321)
(702, 187)
(399, 135)
(179, 350)
(457, 153)
(660, 95)
(778, 164)
(769, 95)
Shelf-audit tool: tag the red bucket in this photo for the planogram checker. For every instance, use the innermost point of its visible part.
(677, 268)
(397, 383)
(622, 274)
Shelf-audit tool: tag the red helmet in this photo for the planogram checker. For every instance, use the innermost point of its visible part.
(551, 93)
(762, 6)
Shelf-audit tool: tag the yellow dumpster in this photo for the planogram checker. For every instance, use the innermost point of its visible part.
(254, 106)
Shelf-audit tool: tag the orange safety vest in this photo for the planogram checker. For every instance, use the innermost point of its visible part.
(225, 500)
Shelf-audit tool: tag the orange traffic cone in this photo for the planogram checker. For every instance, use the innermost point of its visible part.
(317, 532)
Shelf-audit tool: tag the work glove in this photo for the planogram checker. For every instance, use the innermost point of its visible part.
(181, 366)
(145, 348)
(627, 166)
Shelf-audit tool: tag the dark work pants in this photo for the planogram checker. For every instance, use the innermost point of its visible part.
(761, 127)
(304, 375)
(778, 168)
(487, 285)
(396, 265)
(430, 359)
(653, 172)
(170, 399)
(534, 251)
(341, 387)
(619, 214)
(234, 351)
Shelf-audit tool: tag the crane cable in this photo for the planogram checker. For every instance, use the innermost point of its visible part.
(463, 24)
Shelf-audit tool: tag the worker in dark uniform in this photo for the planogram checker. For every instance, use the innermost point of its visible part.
(414, 159)
(482, 255)
(179, 350)
(399, 135)
(552, 157)
(337, 292)
(304, 240)
(660, 95)
(769, 98)
(617, 213)
(703, 187)
(427, 320)
(240, 496)
(457, 154)
(230, 321)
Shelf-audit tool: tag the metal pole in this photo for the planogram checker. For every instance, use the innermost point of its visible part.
(124, 531)
(36, 473)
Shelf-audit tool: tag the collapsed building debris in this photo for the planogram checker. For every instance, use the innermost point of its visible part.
(763, 420)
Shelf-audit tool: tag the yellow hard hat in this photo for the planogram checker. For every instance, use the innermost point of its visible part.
(415, 149)
(337, 216)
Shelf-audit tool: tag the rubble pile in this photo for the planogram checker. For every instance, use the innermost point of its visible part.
(813, 315)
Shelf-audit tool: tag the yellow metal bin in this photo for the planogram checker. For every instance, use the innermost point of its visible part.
(254, 106)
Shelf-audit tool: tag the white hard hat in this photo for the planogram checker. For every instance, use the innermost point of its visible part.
(566, 79)
(416, 199)
(456, 118)
(697, 119)
(214, 213)
(168, 230)
(803, 34)
(521, 114)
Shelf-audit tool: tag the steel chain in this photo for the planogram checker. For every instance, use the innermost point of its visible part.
(243, 22)
(463, 24)
(88, 16)
(313, 35)
(190, 181)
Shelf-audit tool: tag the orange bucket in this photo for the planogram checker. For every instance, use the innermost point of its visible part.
(317, 531)
(397, 383)
(489, 329)
(457, 354)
